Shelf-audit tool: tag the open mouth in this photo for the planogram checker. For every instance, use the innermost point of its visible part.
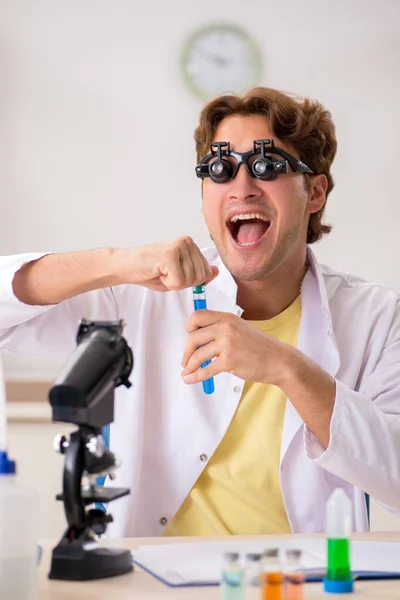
(248, 229)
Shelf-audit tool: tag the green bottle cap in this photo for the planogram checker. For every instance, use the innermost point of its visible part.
(199, 289)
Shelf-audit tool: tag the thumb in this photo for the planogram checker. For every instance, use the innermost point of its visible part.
(215, 272)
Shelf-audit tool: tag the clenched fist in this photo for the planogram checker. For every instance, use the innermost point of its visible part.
(165, 266)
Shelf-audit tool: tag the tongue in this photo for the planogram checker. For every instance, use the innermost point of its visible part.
(251, 231)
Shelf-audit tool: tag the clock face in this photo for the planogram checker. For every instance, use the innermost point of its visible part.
(218, 59)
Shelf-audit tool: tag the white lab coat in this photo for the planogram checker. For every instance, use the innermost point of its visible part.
(162, 426)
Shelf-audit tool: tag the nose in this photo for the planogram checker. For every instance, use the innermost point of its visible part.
(243, 186)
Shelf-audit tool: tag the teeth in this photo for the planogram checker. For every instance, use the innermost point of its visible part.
(248, 216)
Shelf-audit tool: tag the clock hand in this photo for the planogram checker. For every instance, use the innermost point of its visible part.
(219, 60)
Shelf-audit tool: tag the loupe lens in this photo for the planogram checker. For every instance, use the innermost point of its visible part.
(217, 168)
(262, 169)
(220, 171)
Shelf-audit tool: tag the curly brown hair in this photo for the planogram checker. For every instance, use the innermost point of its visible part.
(301, 122)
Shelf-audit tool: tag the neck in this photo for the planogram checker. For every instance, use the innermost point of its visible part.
(265, 298)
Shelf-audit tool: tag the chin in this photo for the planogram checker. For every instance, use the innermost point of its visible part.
(250, 273)
(259, 262)
(247, 266)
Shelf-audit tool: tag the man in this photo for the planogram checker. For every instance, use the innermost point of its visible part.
(306, 360)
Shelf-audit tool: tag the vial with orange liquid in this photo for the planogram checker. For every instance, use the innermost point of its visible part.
(271, 575)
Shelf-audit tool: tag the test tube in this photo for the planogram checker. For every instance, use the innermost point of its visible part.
(232, 577)
(252, 577)
(271, 575)
(200, 303)
(338, 578)
(293, 578)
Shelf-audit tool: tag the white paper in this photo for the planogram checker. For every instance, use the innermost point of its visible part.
(200, 562)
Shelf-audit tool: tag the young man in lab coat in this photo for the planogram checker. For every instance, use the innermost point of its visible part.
(306, 360)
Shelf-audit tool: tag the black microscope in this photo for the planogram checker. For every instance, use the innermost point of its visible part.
(83, 394)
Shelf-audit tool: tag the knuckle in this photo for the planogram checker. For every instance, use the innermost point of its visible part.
(185, 240)
(228, 326)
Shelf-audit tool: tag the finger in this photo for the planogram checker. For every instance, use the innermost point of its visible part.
(200, 356)
(198, 338)
(214, 271)
(207, 372)
(201, 272)
(186, 260)
(211, 271)
(204, 318)
(172, 274)
(156, 285)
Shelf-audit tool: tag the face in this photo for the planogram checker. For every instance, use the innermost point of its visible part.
(259, 226)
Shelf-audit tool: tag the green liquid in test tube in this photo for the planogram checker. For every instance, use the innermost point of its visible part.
(338, 526)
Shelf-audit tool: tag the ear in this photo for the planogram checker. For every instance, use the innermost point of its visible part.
(317, 194)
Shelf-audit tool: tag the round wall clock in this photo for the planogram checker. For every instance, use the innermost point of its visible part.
(220, 58)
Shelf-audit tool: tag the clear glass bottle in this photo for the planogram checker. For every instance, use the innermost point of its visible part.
(18, 535)
(232, 577)
(293, 577)
(252, 577)
(271, 575)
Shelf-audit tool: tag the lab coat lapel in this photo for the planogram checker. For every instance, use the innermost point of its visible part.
(316, 340)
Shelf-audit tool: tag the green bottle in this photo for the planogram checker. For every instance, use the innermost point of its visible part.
(339, 514)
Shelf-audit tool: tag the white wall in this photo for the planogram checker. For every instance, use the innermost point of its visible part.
(88, 86)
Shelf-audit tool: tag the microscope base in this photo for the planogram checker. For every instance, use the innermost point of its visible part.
(84, 560)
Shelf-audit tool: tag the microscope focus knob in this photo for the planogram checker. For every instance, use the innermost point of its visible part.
(96, 446)
(60, 443)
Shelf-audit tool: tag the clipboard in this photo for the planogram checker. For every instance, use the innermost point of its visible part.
(195, 564)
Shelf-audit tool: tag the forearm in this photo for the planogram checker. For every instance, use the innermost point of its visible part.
(57, 277)
(311, 391)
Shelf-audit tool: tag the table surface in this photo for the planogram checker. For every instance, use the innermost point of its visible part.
(138, 584)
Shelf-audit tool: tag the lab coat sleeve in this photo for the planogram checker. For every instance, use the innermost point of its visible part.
(364, 446)
(51, 330)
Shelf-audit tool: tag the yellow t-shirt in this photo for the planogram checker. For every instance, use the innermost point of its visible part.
(239, 490)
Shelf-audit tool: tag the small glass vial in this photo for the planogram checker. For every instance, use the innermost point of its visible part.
(271, 575)
(232, 577)
(293, 578)
(252, 577)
